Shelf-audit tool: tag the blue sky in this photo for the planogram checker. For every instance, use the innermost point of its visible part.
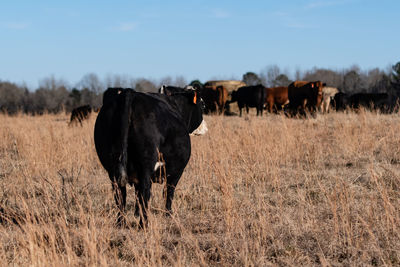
(198, 39)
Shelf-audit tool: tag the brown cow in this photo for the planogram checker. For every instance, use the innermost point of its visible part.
(214, 99)
(222, 94)
(276, 98)
(304, 95)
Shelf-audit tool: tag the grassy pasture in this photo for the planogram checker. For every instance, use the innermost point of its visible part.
(256, 192)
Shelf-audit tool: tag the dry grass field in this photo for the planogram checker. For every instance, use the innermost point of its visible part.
(256, 192)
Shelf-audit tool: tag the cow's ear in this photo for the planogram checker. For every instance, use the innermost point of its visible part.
(312, 85)
(195, 98)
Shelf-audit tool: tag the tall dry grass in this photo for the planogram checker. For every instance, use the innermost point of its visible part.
(257, 192)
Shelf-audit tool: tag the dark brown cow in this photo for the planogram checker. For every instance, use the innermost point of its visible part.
(304, 95)
(276, 98)
(214, 99)
(80, 114)
(222, 94)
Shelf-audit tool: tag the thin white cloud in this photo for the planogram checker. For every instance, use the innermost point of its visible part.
(125, 27)
(220, 14)
(16, 25)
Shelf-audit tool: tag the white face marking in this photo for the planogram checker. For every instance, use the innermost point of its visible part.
(201, 130)
(162, 89)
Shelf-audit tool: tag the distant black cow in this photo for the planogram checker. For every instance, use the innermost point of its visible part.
(370, 101)
(340, 101)
(138, 136)
(169, 90)
(249, 96)
(80, 114)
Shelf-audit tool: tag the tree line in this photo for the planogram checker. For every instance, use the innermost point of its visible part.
(56, 95)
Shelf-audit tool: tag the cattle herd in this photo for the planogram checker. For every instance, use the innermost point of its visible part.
(300, 98)
(143, 138)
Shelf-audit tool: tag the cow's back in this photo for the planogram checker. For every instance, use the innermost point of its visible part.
(279, 95)
(251, 95)
(369, 100)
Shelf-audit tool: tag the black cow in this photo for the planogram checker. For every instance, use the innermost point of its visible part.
(140, 137)
(169, 90)
(249, 96)
(340, 101)
(369, 101)
(80, 113)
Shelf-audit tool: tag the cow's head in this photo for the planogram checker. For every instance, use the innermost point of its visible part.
(190, 105)
(169, 90)
(317, 89)
(193, 112)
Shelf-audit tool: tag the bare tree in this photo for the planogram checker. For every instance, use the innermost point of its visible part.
(92, 82)
(352, 82)
(115, 80)
(298, 75)
(250, 78)
(281, 80)
(52, 83)
(180, 81)
(144, 85)
(11, 97)
(330, 77)
(269, 75)
(165, 81)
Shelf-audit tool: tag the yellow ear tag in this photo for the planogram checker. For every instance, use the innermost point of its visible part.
(195, 98)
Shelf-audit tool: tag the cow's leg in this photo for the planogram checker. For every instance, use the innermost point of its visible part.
(175, 163)
(270, 106)
(80, 119)
(169, 192)
(137, 210)
(120, 199)
(144, 194)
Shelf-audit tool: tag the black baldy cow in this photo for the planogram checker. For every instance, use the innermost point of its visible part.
(137, 133)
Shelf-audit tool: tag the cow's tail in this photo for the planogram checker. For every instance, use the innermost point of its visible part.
(121, 174)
